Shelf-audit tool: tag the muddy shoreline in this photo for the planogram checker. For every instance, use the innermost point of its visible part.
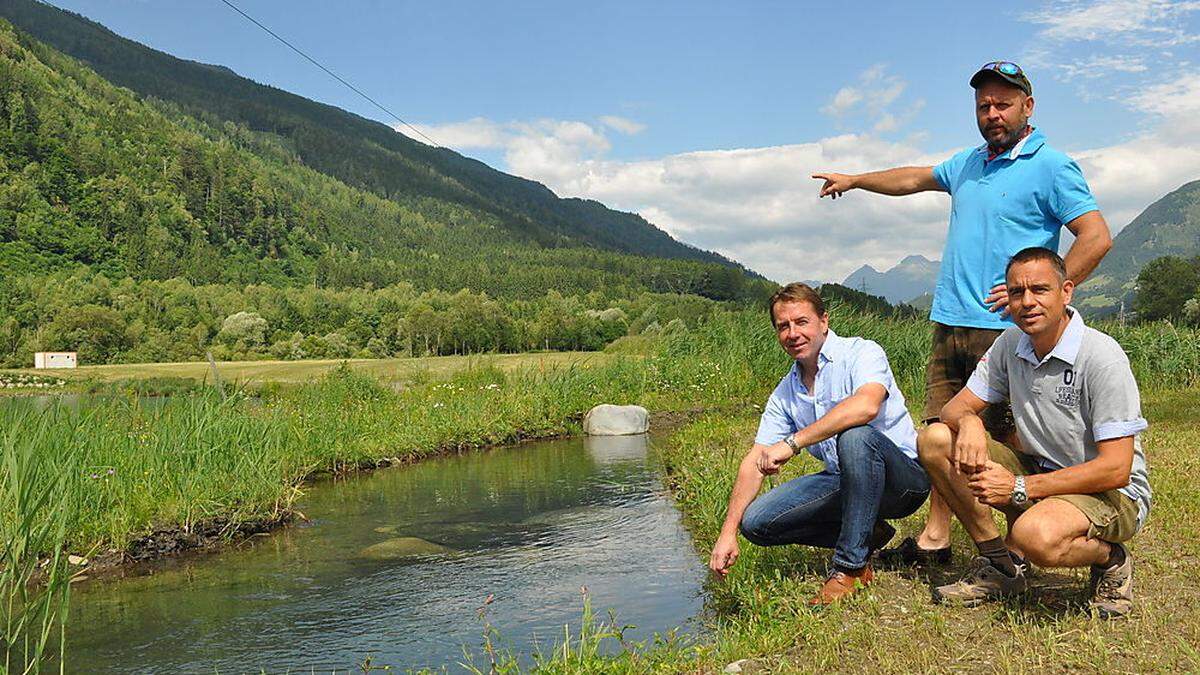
(145, 555)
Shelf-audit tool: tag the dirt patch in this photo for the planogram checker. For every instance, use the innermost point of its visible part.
(201, 538)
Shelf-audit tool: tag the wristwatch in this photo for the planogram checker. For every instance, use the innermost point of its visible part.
(791, 443)
(1020, 498)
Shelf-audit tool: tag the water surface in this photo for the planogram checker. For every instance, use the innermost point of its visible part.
(530, 525)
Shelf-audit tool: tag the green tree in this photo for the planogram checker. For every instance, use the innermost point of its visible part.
(1164, 285)
(97, 333)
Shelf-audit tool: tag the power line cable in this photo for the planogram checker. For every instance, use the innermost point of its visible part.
(332, 74)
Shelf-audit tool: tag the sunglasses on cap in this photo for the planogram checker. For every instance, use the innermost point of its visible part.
(1006, 67)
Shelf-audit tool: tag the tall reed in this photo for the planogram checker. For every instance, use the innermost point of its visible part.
(34, 574)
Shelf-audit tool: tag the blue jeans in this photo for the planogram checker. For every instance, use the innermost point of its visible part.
(838, 510)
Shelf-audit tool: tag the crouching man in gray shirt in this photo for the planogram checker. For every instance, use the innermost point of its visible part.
(1076, 487)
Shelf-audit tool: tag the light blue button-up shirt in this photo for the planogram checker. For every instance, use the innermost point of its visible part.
(844, 365)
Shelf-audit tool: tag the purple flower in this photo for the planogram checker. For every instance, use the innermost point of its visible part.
(111, 471)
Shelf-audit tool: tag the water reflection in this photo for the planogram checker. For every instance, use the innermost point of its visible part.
(530, 525)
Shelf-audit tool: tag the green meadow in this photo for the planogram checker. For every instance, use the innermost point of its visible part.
(119, 470)
(255, 374)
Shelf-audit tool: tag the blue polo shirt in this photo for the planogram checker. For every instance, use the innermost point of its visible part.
(843, 366)
(1021, 198)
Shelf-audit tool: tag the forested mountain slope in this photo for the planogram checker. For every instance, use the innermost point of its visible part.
(90, 175)
(132, 231)
(360, 152)
(1169, 226)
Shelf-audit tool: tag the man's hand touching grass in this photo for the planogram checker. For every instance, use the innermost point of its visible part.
(724, 554)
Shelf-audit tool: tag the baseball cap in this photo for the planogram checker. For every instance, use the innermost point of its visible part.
(1005, 70)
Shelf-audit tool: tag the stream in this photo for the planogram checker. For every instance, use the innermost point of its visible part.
(395, 565)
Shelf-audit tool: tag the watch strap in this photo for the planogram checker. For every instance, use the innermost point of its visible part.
(791, 442)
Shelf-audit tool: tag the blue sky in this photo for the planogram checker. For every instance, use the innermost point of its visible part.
(708, 117)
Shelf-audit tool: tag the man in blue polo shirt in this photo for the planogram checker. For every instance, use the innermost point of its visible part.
(1011, 193)
(841, 402)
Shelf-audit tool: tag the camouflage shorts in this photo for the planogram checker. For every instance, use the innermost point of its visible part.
(956, 351)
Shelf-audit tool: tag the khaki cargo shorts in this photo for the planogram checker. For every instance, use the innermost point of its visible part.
(1112, 514)
(956, 351)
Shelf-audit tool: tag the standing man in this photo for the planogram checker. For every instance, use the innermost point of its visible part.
(841, 402)
(1078, 486)
(1010, 193)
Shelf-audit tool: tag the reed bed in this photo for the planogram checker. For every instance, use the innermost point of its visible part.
(34, 573)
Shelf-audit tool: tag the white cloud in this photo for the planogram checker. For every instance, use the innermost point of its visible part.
(759, 205)
(1140, 22)
(622, 124)
(843, 101)
(1108, 46)
(1178, 99)
(1100, 66)
(474, 133)
(869, 101)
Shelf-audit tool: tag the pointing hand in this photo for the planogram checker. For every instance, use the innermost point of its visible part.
(835, 184)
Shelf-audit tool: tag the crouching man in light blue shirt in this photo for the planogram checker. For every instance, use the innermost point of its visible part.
(840, 401)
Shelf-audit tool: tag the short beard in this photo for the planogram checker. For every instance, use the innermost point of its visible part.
(1009, 140)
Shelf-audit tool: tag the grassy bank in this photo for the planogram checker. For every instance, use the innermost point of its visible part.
(125, 469)
(759, 612)
(257, 373)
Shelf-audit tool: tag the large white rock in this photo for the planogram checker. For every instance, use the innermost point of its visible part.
(616, 420)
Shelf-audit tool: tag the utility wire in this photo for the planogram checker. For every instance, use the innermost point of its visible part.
(332, 74)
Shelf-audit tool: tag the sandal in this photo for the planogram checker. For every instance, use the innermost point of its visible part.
(908, 553)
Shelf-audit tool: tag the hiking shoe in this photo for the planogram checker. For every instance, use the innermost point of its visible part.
(908, 554)
(1112, 588)
(983, 582)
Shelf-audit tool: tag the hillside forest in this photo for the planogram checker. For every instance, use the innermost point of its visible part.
(132, 231)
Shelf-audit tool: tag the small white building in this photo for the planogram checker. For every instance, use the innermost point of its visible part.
(55, 360)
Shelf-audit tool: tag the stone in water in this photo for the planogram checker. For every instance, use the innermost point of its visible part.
(403, 547)
(616, 420)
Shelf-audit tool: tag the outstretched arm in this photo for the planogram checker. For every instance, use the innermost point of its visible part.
(905, 180)
(745, 489)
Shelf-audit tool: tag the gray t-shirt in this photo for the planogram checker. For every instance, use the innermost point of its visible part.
(1081, 393)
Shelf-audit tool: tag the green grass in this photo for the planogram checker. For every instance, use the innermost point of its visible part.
(256, 373)
(34, 567)
(759, 612)
(123, 469)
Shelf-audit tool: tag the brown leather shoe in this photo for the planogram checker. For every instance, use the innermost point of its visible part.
(842, 584)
